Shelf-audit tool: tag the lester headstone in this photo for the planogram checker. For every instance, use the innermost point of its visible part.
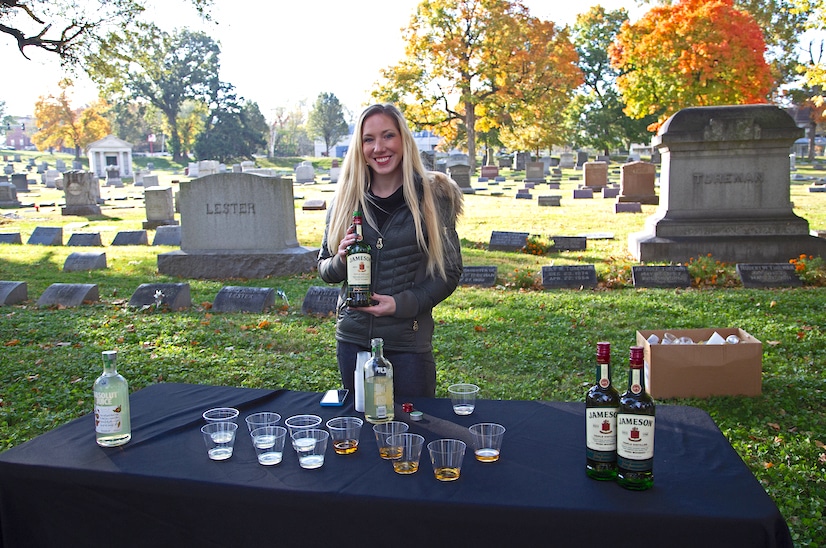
(69, 295)
(573, 276)
(13, 292)
(237, 225)
(768, 275)
(725, 189)
(174, 296)
(85, 261)
(244, 299)
(320, 300)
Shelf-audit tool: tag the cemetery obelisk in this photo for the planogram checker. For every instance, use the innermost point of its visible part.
(725, 189)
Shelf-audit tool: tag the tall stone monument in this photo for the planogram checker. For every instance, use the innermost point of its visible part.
(725, 189)
(237, 225)
(82, 192)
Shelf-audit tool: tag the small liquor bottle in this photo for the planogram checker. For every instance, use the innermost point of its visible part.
(358, 267)
(378, 386)
(635, 430)
(112, 424)
(601, 405)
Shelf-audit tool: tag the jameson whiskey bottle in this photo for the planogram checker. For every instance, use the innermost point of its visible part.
(358, 267)
(635, 430)
(378, 385)
(601, 405)
(112, 425)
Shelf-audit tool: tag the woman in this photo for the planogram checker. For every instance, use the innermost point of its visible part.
(410, 223)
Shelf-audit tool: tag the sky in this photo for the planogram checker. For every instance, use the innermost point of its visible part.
(276, 53)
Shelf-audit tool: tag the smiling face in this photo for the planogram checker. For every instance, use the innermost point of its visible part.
(382, 147)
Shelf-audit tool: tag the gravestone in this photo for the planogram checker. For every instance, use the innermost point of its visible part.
(244, 299)
(112, 177)
(13, 292)
(461, 174)
(8, 195)
(8, 169)
(192, 169)
(150, 180)
(489, 172)
(237, 225)
(569, 243)
(768, 275)
(725, 189)
(583, 193)
(160, 210)
(610, 192)
(84, 239)
(69, 295)
(174, 296)
(552, 200)
(428, 159)
(595, 175)
(569, 276)
(637, 181)
(507, 241)
(75, 262)
(656, 156)
(547, 163)
(207, 167)
(484, 276)
(603, 158)
(523, 194)
(46, 235)
(314, 205)
(660, 276)
(77, 165)
(320, 300)
(20, 182)
(82, 192)
(535, 172)
(60, 165)
(335, 171)
(458, 160)
(131, 237)
(304, 172)
(792, 162)
(581, 158)
(627, 207)
(505, 161)
(10, 238)
(50, 177)
(522, 159)
(167, 235)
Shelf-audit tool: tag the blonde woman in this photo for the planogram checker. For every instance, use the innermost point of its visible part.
(410, 223)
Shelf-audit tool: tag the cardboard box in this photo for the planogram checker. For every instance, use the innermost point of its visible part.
(700, 370)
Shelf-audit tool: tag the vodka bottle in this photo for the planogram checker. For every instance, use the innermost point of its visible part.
(112, 425)
(378, 385)
(359, 270)
(635, 430)
(601, 405)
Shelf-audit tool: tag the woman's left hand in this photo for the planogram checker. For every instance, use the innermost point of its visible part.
(385, 306)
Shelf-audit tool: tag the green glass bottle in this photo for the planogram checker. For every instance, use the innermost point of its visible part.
(601, 406)
(359, 269)
(378, 386)
(635, 429)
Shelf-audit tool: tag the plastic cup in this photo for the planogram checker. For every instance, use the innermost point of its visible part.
(310, 444)
(221, 414)
(487, 440)
(265, 418)
(411, 445)
(302, 422)
(344, 433)
(269, 444)
(383, 432)
(446, 455)
(463, 396)
(219, 438)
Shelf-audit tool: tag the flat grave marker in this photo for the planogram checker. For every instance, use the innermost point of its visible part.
(569, 243)
(69, 295)
(13, 292)
(233, 298)
(484, 276)
(10, 238)
(661, 276)
(85, 239)
(321, 300)
(82, 261)
(569, 276)
(131, 237)
(47, 235)
(762, 275)
(175, 296)
(507, 241)
(167, 235)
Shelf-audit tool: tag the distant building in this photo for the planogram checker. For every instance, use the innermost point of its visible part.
(18, 135)
(109, 153)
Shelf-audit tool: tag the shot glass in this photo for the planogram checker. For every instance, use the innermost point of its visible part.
(383, 432)
(411, 445)
(310, 444)
(487, 440)
(446, 455)
(219, 438)
(221, 414)
(463, 396)
(301, 422)
(265, 418)
(344, 433)
(269, 444)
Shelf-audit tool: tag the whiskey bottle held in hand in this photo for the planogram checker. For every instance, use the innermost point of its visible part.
(601, 406)
(359, 268)
(635, 430)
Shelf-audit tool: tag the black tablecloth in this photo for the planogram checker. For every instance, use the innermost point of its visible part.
(61, 489)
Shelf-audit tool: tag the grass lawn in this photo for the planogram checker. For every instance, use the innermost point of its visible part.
(515, 340)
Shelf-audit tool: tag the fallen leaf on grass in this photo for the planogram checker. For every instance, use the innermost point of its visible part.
(773, 343)
(820, 444)
(768, 465)
(13, 342)
(774, 425)
(480, 328)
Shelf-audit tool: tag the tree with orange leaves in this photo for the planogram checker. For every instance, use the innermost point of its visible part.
(690, 53)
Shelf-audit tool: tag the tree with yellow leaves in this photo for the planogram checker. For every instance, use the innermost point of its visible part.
(690, 53)
(61, 125)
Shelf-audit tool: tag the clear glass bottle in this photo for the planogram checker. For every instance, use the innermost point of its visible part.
(601, 406)
(111, 391)
(635, 429)
(359, 269)
(378, 385)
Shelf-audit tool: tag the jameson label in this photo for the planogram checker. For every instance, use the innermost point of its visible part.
(358, 270)
(635, 441)
(601, 430)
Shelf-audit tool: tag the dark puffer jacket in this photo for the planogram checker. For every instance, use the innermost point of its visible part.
(400, 269)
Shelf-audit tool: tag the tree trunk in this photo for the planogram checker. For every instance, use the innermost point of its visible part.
(812, 134)
(470, 123)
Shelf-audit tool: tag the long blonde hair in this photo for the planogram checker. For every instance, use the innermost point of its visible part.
(354, 182)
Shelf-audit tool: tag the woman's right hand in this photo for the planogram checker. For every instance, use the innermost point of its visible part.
(348, 240)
